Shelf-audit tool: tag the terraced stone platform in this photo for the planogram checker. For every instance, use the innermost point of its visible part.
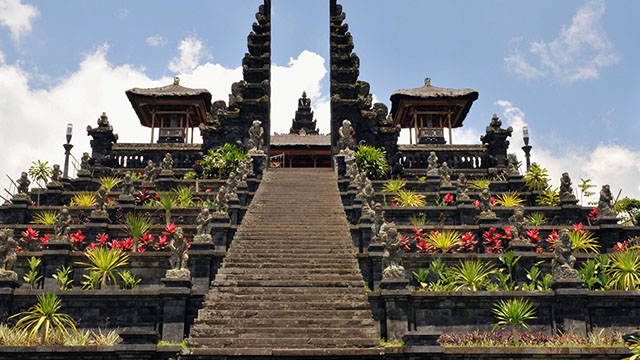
(290, 284)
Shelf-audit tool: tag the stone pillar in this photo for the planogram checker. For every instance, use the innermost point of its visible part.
(174, 296)
(571, 311)
(53, 258)
(396, 302)
(220, 232)
(341, 166)
(201, 255)
(375, 256)
(137, 344)
(364, 225)
(260, 163)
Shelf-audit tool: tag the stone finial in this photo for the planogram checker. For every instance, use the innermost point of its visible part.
(8, 255)
(562, 265)
(176, 81)
(203, 226)
(445, 175)
(427, 81)
(62, 227)
(378, 221)
(517, 224)
(461, 188)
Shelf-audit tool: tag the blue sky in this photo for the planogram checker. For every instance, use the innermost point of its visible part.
(567, 69)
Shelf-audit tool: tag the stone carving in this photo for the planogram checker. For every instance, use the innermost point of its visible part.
(23, 185)
(56, 176)
(255, 137)
(605, 207)
(366, 194)
(392, 256)
(151, 172)
(566, 189)
(513, 165)
(167, 162)
(347, 141)
(85, 166)
(103, 140)
(517, 224)
(101, 203)
(432, 165)
(461, 188)
(378, 221)
(203, 226)
(351, 167)
(485, 204)
(562, 265)
(62, 227)
(496, 140)
(127, 187)
(8, 255)
(179, 259)
(445, 175)
(222, 200)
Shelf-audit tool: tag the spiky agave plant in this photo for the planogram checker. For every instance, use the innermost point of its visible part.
(443, 240)
(624, 270)
(44, 318)
(84, 199)
(479, 183)
(136, 225)
(45, 217)
(510, 199)
(109, 182)
(104, 262)
(183, 195)
(472, 274)
(167, 202)
(410, 198)
(584, 241)
(514, 313)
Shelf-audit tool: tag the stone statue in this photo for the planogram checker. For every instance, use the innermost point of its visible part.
(255, 137)
(517, 224)
(432, 165)
(351, 167)
(167, 162)
(62, 226)
(605, 207)
(8, 255)
(562, 265)
(304, 101)
(101, 199)
(23, 185)
(151, 172)
(346, 142)
(56, 175)
(461, 188)
(445, 175)
(127, 186)
(367, 193)
(179, 259)
(513, 165)
(392, 257)
(566, 189)
(84, 162)
(485, 204)
(232, 185)
(222, 200)
(203, 226)
(378, 221)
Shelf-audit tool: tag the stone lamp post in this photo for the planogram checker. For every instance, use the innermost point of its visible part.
(67, 150)
(526, 148)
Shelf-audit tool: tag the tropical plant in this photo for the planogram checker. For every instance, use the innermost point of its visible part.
(129, 280)
(536, 219)
(628, 209)
(44, 317)
(91, 281)
(536, 178)
(183, 195)
(372, 161)
(479, 183)
(537, 280)
(63, 278)
(421, 277)
(584, 241)
(593, 272)
(418, 221)
(83, 199)
(45, 217)
(549, 197)
(585, 187)
(443, 240)
(509, 199)
(104, 262)
(509, 260)
(514, 313)
(31, 277)
(624, 270)
(109, 182)
(40, 172)
(219, 163)
(136, 225)
(471, 274)
(634, 347)
(410, 198)
(392, 186)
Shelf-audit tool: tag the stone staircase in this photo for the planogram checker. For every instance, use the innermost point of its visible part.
(290, 283)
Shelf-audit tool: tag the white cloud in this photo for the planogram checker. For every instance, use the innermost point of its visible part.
(17, 17)
(191, 51)
(304, 73)
(156, 40)
(577, 53)
(34, 119)
(606, 164)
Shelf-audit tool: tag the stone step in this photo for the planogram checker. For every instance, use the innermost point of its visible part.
(288, 323)
(295, 283)
(287, 290)
(301, 305)
(289, 332)
(279, 271)
(282, 297)
(284, 314)
(289, 343)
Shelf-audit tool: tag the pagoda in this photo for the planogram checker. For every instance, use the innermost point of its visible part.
(172, 109)
(303, 123)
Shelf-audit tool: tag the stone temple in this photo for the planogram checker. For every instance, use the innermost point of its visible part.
(244, 244)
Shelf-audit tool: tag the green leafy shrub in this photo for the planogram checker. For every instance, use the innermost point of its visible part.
(63, 278)
(220, 162)
(31, 277)
(536, 178)
(549, 197)
(372, 161)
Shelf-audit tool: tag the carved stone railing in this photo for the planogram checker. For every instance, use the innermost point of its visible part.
(456, 156)
(135, 156)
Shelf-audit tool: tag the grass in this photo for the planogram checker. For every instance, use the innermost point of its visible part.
(182, 344)
(391, 343)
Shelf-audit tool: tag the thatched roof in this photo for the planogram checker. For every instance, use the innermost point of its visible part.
(172, 90)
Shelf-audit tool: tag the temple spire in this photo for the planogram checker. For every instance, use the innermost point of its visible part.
(303, 123)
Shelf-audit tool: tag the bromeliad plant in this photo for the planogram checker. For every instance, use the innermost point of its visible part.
(44, 317)
(443, 241)
(410, 198)
(479, 183)
(109, 182)
(392, 186)
(583, 240)
(624, 270)
(83, 199)
(536, 219)
(509, 199)
(514, 313)
(471, 274)
(102, 265)
(45, 217)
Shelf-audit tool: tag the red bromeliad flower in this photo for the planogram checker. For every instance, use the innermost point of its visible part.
(162, 243)
(417, 231)
(539, 250)
(422, 246)
(127, 244)
(394, 204)
(29, 235)
(405, 243)
(492, 241)
(77, 240)
(534, 236)
(593, 214)
(145, 241)
(208, 191)
(551, 239)
(448, 198)
(44, 240)
(467, 242)
(102, 239)
(621, 246)
(507, 231)
(492, 201)
(476, 203)
(92, 246)
(170, 229)
(578, 228)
